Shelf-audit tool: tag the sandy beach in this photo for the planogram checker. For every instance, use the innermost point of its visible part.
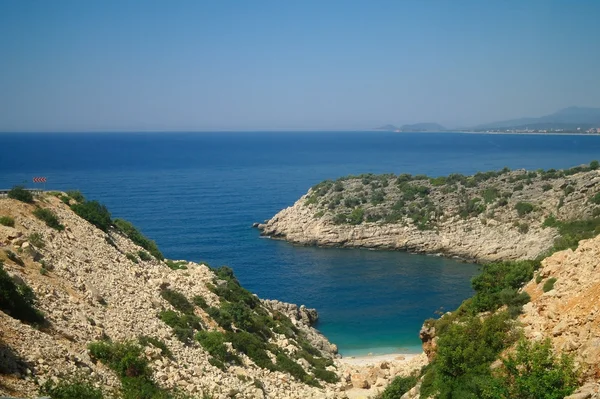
(370, 360)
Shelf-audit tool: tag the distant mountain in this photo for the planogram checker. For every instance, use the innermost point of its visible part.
(567, 118)
(423, 127)
(417, 127)
(390, 128)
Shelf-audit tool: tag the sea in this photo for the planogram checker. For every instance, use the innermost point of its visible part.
(198, 193)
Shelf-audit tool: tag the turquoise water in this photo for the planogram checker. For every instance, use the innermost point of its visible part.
(197, 195)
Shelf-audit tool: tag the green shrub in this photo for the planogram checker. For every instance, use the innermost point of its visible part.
(534, 372)
(14, 257)
(214, 343)
(132, 257)
(464, 354)
(549, 284)
(76, 195)
(518, 187)
(95, 213)
(490, 194)
(77, 387)
(200, 301)
(594, 165)
(7, 221)
(134, 235)
(127, 361)
(495, 279)
(48, 217)
(547, 187)
(176, 265)
(21, 194)
(524, 208)
(538, 278)
(287, 365)
(177, 300)
(36, 240)
(595, 199)
(252, 346)
(356, 216)
(18, 300)
(398, 387)
(145, 256)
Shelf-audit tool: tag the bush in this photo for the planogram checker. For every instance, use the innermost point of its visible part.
(490, 195)
(176, 265)
(132, 257)
(134, 235)
(145, 256)
(178, 301)
(595, 199)
(127, 361)
(214, 343)
(594, 165)
(21, 194)
(95, 213)
(534, 372)
(48, 217)
(7, 221)
(549, 284)
(398, 387)
(146, 340)
(76, 195)
(547, 187)
(36, 240)
(523, 208)
(72, 388)
(14, 257)
(18, 300)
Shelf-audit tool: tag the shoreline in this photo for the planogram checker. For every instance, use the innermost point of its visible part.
(368, 360)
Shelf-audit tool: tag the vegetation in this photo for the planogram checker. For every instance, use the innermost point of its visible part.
(7, 221)
(48, 217)
(134, 235)
(523, 208)
(549, 284)
(145, 256)
(176, 265)
(76, 195)
(127, 361)
(21, 194)
(95, 213)
(36, 240)
(132, 257)
(534, 372)
(398, 387)
(14, 257)
(18, 300)
(77, 387)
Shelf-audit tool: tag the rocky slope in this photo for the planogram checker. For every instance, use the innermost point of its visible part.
(568, 311)
(94, 286)
(484, 217)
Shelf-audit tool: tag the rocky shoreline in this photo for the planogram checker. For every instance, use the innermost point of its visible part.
(486, 217)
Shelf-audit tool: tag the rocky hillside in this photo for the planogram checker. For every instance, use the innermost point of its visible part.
(502, 215)
(565, 305)
(141, 326)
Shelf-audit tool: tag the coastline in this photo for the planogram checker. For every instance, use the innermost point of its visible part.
(368, 360)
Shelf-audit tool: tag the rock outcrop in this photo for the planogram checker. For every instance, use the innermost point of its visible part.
(485, 217)
(569, 311)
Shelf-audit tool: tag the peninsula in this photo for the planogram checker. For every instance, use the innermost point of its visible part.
(500, 215)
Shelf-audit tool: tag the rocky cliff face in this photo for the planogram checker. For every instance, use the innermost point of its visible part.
(485, 217)
(93, 286)
(568, 311)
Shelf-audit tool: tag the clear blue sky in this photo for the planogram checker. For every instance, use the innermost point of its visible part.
(203, 65)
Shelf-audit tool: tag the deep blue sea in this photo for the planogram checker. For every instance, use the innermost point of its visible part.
(197, 194)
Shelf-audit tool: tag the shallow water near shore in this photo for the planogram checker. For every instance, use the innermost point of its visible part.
(197, 195)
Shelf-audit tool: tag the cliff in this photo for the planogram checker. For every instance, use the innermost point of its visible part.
(178, 327)
(489, 216)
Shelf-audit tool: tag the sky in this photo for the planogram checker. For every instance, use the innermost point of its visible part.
(267, 65)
